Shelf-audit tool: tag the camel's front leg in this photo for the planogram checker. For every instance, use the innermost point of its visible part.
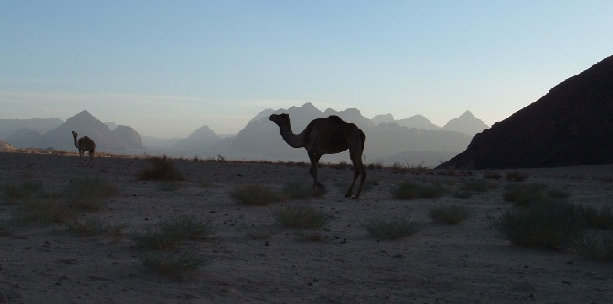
(314, 160)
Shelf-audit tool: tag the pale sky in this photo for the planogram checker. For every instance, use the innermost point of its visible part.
(167, 68)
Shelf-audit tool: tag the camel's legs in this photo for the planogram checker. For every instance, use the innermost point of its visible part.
(90, 162)
(358, 170)
(314, 160)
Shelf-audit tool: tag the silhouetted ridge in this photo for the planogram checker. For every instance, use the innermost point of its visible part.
(571, 125)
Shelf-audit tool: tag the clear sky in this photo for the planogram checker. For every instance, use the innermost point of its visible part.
(167, 68)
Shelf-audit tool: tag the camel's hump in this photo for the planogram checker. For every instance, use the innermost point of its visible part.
(336, 119)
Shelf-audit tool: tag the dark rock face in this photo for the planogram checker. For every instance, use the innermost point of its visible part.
(571, 125)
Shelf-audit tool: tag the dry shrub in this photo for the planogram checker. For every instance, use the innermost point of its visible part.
(254, 195)
(162, 168)
(301, 217)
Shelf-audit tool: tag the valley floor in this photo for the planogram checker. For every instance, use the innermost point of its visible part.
(253, 259)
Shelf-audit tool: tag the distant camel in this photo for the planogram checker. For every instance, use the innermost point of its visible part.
(85, 144)
(326, 136)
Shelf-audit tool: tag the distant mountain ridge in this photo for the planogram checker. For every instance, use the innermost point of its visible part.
(409, 140)
(570, 125)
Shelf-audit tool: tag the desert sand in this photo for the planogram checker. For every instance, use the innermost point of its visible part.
(253, 259)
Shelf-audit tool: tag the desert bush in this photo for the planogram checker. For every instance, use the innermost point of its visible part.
(179, 264)
(298, 190)
(174, 231)
(515, 176)
(492, 175)
(24, 189)
(162, 168)
(6, 229)
(43, 211)
(595, 247)
(449, 214)
(548, 225)
(88, 194)
(375, 165)
(390, 229)
(475, 185)
(525, 194)
(558, 193)
(409, 190)
(593, 218)
(301, 217)
(461, 194)
(94, 227)
(254, 195)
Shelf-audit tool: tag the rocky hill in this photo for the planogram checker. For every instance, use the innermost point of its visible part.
(200, 140)
(467, 123)
(570, 125)
(40, 125)
(83, 123)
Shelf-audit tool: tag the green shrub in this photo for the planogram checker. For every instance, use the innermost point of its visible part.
(595, 248)
(525, 194)
(475, 185)
(254, 195)
(88, 194)
(596, 219)
(298, 190)
(43, 211)
(408, 190)
(390, 229)
(558, 194)
(301, 217)
(548, 225)
(515, 176)
(6, 229)
(449, 214)
(24, 189)
(162, 169)
(172, 233)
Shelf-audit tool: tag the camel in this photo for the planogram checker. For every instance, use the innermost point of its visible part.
(85, 144)
(326, 136)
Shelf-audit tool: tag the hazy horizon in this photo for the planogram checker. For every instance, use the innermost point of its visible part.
(166, 69)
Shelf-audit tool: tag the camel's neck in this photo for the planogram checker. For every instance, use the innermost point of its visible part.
(294, 140)
(75, 142)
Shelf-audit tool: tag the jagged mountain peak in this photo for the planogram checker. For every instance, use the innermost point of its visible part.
(466, 123)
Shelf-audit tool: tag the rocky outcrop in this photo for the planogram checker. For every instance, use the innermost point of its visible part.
(571, 125)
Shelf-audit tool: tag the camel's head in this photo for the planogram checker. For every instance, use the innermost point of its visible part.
(74, 134)
(282, 120)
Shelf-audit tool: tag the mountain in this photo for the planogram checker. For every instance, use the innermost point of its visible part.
(25, 138)
(40, 125)
(417, 122)
(121, 139)
(467, 123)
(129, 137)
(199, 140)
(384, 118)
(570, 125)
(385, 142)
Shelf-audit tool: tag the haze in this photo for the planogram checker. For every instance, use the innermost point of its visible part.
(167, 68)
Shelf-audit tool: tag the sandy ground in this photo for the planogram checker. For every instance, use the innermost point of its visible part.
(252, 259)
